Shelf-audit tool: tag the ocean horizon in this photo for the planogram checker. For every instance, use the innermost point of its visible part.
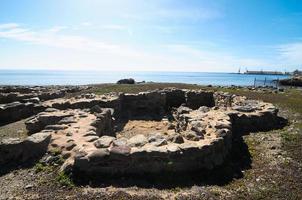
(57, 77)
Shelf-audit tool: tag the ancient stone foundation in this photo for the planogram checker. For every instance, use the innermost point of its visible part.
(168, 130)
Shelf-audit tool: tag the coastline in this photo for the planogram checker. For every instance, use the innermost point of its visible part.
(44, 77)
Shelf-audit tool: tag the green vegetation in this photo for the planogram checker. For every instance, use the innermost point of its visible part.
(40, 167)
(55, 151)
(64, 179)
(136, 88)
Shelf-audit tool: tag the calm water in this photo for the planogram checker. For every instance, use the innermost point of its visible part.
(38, 77)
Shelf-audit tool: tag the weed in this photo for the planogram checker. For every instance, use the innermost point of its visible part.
(39, 167)
(64, 179)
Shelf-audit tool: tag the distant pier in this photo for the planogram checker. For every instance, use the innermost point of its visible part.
(265, 72)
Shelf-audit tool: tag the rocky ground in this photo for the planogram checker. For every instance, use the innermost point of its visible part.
(265, 165)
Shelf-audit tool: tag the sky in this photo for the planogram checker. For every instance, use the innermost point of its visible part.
(151, 35)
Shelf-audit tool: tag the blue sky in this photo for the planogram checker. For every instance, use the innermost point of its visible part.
(157, 35)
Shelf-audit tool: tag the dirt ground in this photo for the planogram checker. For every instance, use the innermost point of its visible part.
(265, 165)
(16, 129)
(144, 127)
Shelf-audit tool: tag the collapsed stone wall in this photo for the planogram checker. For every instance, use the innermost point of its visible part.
(18, 151)
(104, 123)
(254, 116)
(15, 111)
(43, 119)
(19, 102)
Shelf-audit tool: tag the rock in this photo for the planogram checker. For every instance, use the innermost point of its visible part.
(204, 109)
(223, 125)
(69, 134)
(137, 141)
(70, 145)
(32, 100)
(171, 126)
(176, 138)
(198, 127)
(56, 127)
(157, 140)
(120, 142)
(67, 120)
(88, 96)
(98, 155)
(90, 133)
(29, 186)
(126, 81)
(104, 141)
(245, 108)
(92, 138)
(173, 147)
(50, 110)
(191, 135)
(96, 109)
(120, 150)
(183, 110)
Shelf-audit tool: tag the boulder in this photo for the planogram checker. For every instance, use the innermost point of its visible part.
(126, 81)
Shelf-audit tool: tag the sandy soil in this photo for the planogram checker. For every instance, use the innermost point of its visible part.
(144, 127)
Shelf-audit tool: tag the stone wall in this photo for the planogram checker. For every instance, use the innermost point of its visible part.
(159, 153)
(145, 104)
(170, 158)
(174, 97)
(196, 99)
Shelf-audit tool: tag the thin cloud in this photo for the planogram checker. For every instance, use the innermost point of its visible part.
(9, 26)
(86, 51)
(292, 53)
(51, 37)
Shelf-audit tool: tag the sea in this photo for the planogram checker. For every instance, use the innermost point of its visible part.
(47, 77)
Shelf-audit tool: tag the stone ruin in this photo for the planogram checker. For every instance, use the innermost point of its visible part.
(170, 130)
